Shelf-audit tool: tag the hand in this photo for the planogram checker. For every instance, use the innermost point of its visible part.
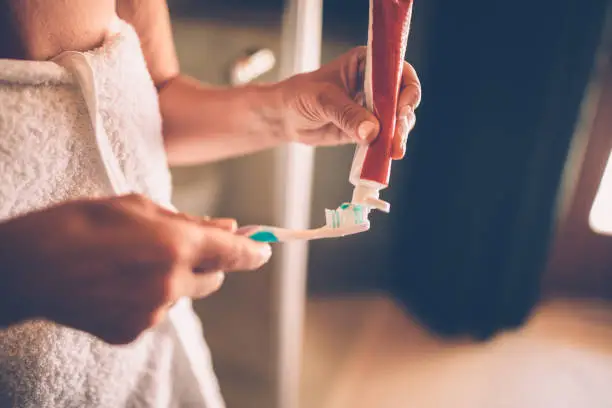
(325, 107)
(113, 267)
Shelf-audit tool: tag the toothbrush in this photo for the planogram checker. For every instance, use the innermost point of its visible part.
(389, 27)
(348, 219)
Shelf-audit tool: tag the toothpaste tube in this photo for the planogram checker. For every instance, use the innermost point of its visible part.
(387, 39)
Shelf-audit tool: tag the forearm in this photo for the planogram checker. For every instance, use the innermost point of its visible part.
(201, 123)
(205, 123)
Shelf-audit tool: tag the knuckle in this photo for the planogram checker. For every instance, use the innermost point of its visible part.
(351, 115)
(340, 109)
(174, 251)
(311, 103)
(360, 52)
(232, 257)
(324, 94)
(229, 254)
(246, 256)
(355, 53)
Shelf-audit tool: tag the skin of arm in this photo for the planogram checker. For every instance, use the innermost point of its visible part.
(205, 123)
(201, 123)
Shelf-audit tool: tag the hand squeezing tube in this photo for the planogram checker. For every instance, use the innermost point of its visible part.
(389, 27)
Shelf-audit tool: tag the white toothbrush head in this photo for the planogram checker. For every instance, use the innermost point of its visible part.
(348, 216)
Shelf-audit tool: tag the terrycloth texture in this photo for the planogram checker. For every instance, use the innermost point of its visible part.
(48, 154)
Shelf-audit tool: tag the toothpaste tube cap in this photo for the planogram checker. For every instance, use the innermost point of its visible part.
(368, 195)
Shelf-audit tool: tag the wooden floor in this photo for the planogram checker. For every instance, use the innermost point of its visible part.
(365, 353)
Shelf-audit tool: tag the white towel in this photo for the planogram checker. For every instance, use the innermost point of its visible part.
(48, 154)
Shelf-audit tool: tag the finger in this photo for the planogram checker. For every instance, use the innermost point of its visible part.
(207, 283)
(351, 65)
(399, 140)
(227, 224)
(210, 248)
(361, 53)
(222, 250)
(410, 94)
(360, 98)
(247, 230)
(350, 117)
(404, 125)
(327, 135)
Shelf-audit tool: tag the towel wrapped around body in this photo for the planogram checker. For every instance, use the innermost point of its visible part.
(49, 154)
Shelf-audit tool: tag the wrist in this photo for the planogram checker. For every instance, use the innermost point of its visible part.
(266, 103)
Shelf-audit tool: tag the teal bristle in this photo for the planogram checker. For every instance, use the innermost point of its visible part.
(358, 210)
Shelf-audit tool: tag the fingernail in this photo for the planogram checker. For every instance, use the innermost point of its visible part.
(220, 278)
(367, 131)
(265, 253)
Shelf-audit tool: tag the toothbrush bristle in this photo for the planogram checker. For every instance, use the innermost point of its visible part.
(346, 215)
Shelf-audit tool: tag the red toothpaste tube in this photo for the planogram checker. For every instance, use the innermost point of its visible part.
(387, 39)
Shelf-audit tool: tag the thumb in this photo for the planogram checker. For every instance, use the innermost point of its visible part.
(225, 251)
(349, 116)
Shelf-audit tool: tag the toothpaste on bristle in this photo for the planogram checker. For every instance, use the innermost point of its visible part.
(387, 39)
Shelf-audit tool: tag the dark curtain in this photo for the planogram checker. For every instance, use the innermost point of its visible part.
(502, 88)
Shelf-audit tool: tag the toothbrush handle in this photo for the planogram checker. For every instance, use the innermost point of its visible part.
(268, 234)
(274, 234)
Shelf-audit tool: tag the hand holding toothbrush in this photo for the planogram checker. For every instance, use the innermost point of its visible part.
(325, 107)
(113, 267)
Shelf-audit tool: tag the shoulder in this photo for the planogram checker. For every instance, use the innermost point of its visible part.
(41, 29)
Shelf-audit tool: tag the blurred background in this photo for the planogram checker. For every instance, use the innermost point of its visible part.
(489, 230)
